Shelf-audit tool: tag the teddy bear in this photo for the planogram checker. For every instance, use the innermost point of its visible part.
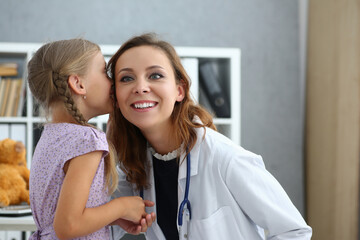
(14, 175)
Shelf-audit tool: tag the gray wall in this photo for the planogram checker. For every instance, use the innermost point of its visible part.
(267, 32)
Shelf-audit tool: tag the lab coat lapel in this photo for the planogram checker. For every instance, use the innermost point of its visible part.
(194, 166)
(194, 158)
(150, 195)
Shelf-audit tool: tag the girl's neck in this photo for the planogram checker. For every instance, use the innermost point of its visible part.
(59, 115)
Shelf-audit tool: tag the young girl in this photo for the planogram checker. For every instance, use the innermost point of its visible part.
(73, 172)
(205, 186)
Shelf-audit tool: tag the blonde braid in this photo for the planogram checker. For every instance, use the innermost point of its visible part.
(48, 73)
(65, 95)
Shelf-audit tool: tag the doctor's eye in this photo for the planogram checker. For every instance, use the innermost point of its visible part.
(156, 76)
(126, 79)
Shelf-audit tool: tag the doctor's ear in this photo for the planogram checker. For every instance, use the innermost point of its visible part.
(181, 91)
(76, 84)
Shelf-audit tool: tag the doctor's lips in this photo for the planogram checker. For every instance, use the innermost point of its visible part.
(144, 104)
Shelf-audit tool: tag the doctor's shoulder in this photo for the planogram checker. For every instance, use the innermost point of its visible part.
(223, 150)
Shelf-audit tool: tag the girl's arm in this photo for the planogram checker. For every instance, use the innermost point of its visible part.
(72, 219)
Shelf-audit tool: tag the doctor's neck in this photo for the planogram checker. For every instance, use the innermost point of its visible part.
(162, 142)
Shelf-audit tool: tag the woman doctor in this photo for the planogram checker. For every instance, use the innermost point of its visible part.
(204, 186)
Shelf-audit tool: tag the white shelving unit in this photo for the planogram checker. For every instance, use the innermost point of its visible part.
(231, 56)
(23, 127)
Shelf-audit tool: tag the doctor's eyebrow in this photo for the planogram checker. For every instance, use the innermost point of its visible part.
(132, 70)
(125, 70)
(154, 66)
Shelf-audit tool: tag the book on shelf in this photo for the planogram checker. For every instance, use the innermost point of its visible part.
(13, 94)
(10, 101)
(210, 80)
(5, 96)
(2, 91)
(10, 96)
(8, 69)
(19, 98)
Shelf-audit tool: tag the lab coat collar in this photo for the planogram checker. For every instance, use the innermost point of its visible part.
(194, 156)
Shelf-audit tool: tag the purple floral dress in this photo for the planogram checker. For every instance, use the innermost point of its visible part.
(59, 143)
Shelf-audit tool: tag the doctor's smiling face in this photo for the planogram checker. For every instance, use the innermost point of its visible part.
(146, 88)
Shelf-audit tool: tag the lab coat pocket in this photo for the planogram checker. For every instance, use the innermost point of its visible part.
(220, 225)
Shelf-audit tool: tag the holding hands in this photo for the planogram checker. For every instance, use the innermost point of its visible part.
(135, 220)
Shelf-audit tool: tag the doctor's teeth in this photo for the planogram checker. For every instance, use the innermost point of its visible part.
(144, 105)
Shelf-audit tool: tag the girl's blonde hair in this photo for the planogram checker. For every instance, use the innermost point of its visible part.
(48, 73)
(128, 139)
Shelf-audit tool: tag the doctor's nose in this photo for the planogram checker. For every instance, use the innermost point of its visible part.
(141, 86)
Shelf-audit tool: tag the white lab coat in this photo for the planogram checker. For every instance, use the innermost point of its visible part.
(232, 196)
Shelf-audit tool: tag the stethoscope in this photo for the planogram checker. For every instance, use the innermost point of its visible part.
(185, 206)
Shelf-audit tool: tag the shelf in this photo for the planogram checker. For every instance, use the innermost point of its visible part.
(13, 119)
(25, 128)
(25, 223)
(228, 60)
(222, 121)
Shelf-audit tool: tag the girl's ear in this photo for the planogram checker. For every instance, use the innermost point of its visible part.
(181, 91)
(76, 85)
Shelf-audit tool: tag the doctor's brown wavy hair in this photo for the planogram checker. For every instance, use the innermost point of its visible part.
(129, 142)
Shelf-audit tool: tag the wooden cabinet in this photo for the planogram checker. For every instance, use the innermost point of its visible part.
(333, 119)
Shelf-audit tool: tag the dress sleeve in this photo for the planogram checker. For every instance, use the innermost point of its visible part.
(263, 199)
(84, 140)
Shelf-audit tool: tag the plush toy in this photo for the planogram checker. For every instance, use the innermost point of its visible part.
(14, 175)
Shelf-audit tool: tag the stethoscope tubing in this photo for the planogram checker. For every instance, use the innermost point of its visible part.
(186, 195)
(185, 204)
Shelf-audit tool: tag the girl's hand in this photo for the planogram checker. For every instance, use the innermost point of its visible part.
(134, 208)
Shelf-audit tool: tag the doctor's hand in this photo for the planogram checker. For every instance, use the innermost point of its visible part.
(147, 221)
(128, 226)
(133, 228)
